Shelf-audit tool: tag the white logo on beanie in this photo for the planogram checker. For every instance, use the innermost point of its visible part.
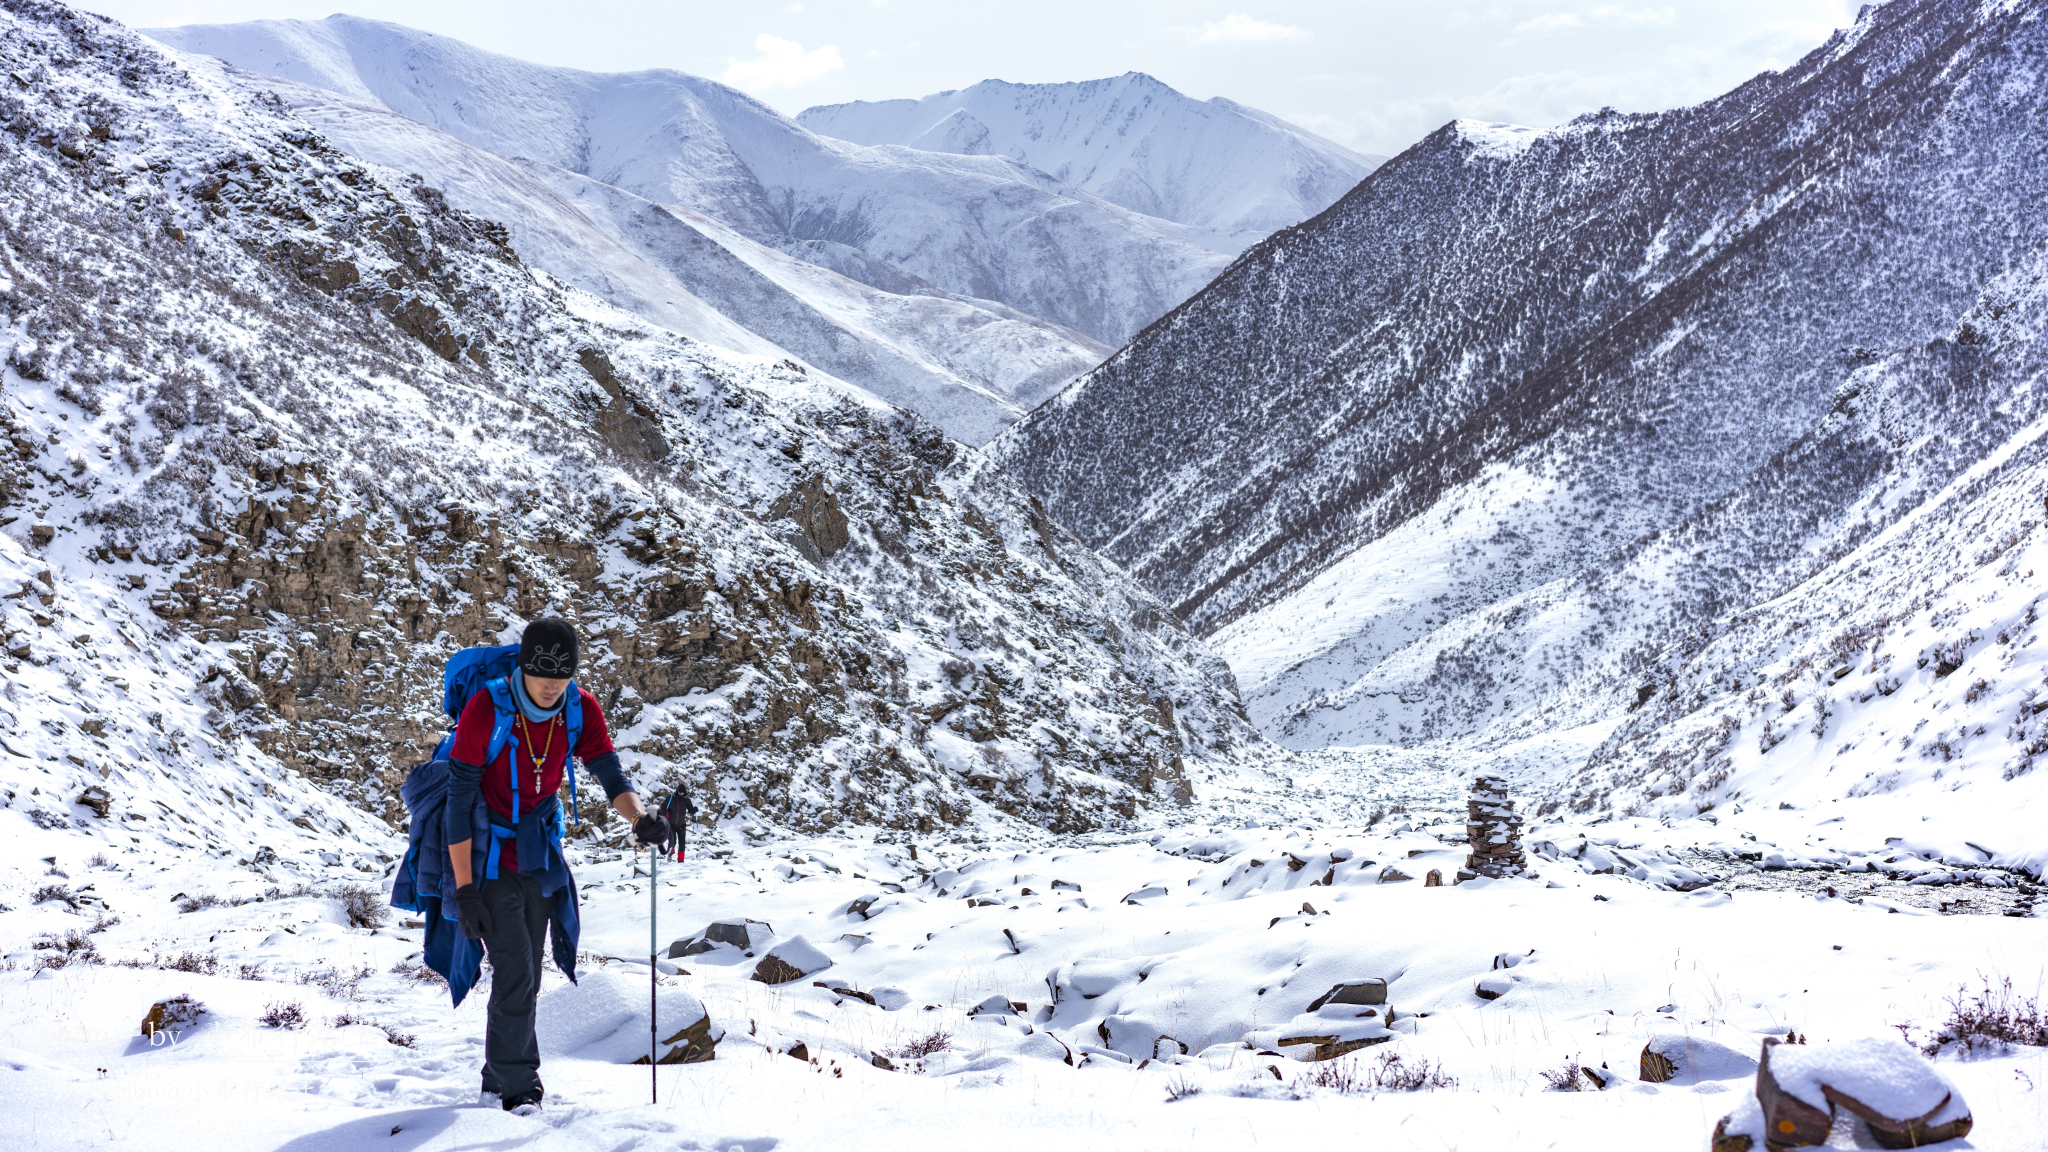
(550, 661)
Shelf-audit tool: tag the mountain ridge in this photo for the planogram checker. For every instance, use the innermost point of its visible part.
(1394, 459)
(977, 227)
(1130, 139)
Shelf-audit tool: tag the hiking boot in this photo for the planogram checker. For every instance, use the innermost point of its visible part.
(524, 1103)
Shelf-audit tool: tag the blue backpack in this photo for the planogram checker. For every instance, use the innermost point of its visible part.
(489, 669)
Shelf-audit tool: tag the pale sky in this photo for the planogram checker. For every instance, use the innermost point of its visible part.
(1376, 75)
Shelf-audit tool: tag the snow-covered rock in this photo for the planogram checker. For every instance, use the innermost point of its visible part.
(603, 1017)
(1129, 139)
(791, 959)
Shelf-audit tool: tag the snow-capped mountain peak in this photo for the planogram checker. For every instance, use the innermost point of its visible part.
(1129, 139)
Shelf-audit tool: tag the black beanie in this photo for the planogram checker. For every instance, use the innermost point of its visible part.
(547, 649)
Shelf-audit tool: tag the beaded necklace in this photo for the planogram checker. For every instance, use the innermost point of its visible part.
(526, 740)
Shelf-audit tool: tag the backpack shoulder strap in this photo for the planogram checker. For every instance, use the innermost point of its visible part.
(572, 709)
(572, 715)
(501, 723)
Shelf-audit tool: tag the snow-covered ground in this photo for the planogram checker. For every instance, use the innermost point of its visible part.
(1105, 945)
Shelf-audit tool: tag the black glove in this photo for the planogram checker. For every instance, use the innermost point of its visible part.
(653, 832)
(470, 910)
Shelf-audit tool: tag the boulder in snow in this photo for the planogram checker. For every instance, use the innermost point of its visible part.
(1680, 1059)
(746, 935)
(1330, 1043)
(97, 799)
(1372, 991)
(1493, 987)
(1900, 1096)
(603, 1017)
(994, 1005)
(793, 959)
(173, 1015)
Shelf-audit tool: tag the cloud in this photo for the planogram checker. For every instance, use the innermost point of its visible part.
(1238, 28)
(1608, 14)
(1549, 22)
(783, 64)
(1627, 15)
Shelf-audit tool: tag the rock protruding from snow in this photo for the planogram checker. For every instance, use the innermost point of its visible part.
(603, 1017)
(1373, 991)
(1677, 1058)
(793, 959)
(743, 934)
(997, 1005)
(1493, 830)
(173, 1015)
(1898, 1093)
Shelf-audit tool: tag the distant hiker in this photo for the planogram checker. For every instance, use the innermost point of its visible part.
(490, 793)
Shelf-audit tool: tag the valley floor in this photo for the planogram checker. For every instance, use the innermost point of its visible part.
(1116, 952)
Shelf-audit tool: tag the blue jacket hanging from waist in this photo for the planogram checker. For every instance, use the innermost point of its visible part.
(426, 882)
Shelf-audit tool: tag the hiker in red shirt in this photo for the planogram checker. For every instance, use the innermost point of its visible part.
(506, 908)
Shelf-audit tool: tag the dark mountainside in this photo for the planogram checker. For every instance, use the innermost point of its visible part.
(302, 430)
(1642, 307)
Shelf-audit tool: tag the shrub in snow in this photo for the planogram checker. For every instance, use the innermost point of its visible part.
(53, 892)
(365, 907)
(392, 1035)
(74, 947)
(1389, 1073)
(1994, 1019)
(1565, 1077)
(414, 970)
(917, 1051)
(283, 1015)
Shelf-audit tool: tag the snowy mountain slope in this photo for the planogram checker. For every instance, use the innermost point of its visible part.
(970, 368)
(326, 428)
(1640, 306)
(1128, 139)
(1859, 619)
(978, 227)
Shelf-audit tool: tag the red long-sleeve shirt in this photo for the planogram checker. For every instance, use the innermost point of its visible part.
(543, 752)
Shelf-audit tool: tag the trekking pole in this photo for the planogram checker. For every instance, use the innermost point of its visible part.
(653, 973)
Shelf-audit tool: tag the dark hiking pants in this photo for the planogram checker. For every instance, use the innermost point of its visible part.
(516, 947)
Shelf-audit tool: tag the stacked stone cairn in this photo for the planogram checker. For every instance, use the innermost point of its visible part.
(1493, 830)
